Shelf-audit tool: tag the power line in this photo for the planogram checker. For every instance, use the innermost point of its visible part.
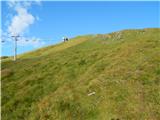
(15, 38)
(27, 39)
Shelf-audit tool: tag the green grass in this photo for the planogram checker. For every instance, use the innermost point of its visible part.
(53, 83)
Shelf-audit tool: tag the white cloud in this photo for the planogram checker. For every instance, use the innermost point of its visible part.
(23, 19)
(20, 22)
(25, 4)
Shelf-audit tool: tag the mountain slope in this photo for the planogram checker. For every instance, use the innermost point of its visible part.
(94, 77)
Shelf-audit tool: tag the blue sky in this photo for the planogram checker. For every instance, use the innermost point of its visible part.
(53, 20)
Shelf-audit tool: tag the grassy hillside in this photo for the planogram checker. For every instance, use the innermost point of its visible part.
(94, 77)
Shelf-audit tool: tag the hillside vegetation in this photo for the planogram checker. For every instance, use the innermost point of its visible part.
(112, 76)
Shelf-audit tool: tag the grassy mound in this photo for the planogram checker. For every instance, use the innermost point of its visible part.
(93, 77)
